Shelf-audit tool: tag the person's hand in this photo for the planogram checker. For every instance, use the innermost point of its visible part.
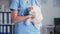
(29, 16)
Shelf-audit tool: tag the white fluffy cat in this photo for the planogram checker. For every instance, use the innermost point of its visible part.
(35, 13)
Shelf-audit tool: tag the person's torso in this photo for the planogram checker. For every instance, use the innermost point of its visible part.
(24, 7)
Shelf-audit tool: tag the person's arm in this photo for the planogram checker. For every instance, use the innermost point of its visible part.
(16, 18)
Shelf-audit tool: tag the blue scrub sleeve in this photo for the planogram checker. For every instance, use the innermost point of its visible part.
(14, 5)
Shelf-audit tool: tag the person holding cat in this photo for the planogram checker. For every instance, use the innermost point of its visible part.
(19, 17)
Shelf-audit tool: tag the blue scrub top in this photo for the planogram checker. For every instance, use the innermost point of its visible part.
(20, 27)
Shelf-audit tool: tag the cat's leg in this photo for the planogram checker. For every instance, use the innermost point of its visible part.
(28, 21)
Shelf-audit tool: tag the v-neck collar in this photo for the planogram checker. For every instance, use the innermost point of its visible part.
(26, 2)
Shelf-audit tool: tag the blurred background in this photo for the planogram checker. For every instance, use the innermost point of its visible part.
(50, 11)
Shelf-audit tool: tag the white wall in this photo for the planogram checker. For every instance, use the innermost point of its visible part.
(6, 4)
(49, 12)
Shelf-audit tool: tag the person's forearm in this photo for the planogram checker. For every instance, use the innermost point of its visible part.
(19, 18)
(16, 18)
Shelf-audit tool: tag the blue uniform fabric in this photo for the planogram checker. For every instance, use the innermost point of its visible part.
(20, 27)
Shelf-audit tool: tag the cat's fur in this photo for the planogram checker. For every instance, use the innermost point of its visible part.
(35, 13)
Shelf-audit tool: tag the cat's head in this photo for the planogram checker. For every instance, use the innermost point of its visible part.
(32, 8)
